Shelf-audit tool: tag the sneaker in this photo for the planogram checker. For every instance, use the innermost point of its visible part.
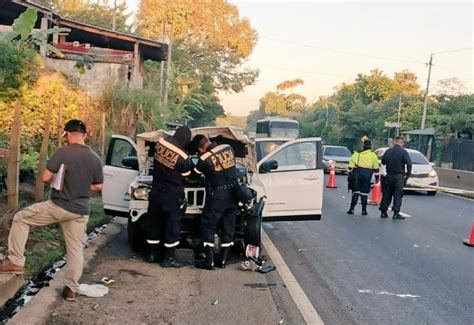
(384, 214)
(8, 267)
(396, 215)
(351, 211)
(68, 294)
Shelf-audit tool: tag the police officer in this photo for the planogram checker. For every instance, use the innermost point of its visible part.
(364, 164)
(166, 203)
(398, 165)
(217, 163)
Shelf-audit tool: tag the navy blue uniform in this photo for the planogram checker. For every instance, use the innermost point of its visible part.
(171, 164)
(218, 165)
(398, 166)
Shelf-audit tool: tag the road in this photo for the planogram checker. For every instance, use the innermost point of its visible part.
(367, 270)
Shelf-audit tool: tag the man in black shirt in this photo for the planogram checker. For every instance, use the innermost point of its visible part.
(163, 224)
(398, 167)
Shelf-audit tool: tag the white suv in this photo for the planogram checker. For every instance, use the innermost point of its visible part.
(287, 183)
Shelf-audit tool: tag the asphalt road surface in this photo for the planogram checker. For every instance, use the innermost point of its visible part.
(368, 270)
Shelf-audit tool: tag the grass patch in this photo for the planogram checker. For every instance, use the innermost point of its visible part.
(46, 244)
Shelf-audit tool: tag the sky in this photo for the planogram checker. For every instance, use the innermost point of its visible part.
(329, 42)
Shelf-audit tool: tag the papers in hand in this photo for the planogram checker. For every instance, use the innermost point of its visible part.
(58, 178)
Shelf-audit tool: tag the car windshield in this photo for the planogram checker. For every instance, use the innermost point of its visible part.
(417, 158)
(265, 147)
(337, 151)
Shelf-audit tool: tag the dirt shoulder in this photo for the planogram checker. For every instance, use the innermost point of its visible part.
(148, 294)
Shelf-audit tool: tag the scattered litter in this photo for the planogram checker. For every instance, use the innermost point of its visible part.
(259, 285)
(281, 321)
(95, 307)
(2, 257)
(54, 314)
(92, 290)
(105, 280)
(215, 302)
(262, 289)
(415, 245)
(301, 249)
(26, 293)
(343, 198)
(383, 292)
(255, 264)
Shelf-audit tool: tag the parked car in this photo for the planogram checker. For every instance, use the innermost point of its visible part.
(287, 183)
(337, 154)
(422, 173)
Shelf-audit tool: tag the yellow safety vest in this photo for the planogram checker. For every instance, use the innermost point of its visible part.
(365, 159)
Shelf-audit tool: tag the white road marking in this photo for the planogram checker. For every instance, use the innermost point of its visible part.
(305, 307)
(405, 215)
(383, 292)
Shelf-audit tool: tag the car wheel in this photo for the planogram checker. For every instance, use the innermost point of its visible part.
(431, 193)
(136, 234)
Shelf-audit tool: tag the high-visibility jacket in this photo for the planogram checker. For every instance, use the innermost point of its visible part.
(365, 159)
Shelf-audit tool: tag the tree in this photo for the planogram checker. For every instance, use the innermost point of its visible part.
(450, 87)
(284, 102)
(406, 83)
(209, 38)
(94, 13)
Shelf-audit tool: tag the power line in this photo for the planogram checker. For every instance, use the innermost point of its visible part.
(310, 72)
(452, 51)
(344, 52)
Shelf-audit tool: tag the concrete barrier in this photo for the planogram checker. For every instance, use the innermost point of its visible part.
(9, 285)
(458, 179)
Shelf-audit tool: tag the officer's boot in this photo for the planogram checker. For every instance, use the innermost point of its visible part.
(208, 262)
(363, 199)
(221, 259)
(152, 254)
(355, 198)
(170, 258)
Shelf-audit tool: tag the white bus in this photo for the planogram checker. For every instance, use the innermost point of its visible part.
(277, 127)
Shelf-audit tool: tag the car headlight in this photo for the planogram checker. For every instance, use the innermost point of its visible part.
(140, 193)
(432, 173)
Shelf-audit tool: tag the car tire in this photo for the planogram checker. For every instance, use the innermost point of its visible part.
(136, 234)
(253, 228)
(431, 193)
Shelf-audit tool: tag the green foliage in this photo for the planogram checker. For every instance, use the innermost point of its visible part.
(29, 160)
(11, 69)
(83, 63)
(95, 13)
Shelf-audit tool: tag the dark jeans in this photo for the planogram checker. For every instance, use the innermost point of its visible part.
(222, 214)
(362, 184)
(163, 222)
(392, 186)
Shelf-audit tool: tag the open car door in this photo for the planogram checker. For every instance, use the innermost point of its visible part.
(292, 178)
(121, 168)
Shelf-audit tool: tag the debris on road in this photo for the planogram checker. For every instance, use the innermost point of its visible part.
(92, 290)
(215, 302)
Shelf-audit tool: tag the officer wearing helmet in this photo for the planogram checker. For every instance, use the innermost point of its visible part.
(167, 201)
(362, 166)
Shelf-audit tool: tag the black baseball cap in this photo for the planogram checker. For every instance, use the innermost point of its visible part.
(75, 126)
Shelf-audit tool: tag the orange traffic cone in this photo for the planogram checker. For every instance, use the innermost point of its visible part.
(376, 196)
(470, 241)
(332, 177)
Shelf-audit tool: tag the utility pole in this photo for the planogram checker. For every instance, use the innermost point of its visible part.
(327, 116)
(168, 68)
(114, 17)
(399, 111)
(425, 103)
(162, 66)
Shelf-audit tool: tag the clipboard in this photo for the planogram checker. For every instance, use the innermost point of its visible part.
(58, 178)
